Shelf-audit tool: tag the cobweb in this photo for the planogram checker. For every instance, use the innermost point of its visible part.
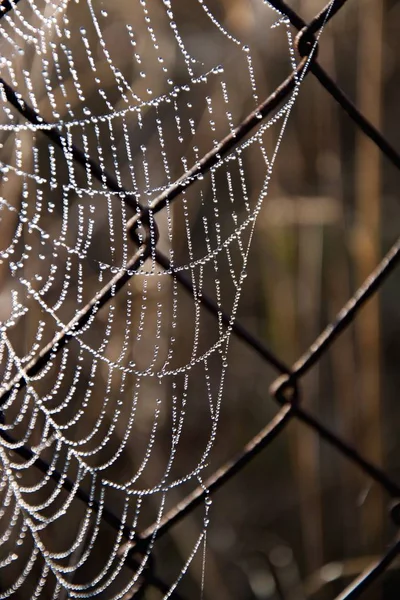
(144, 89)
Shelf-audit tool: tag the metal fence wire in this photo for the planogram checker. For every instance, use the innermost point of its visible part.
(286, 390)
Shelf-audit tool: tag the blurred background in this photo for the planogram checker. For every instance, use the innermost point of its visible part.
(299, 522)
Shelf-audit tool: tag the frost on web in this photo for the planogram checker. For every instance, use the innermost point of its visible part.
(144, 89)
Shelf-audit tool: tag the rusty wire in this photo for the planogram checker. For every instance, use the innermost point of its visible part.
(286, 389)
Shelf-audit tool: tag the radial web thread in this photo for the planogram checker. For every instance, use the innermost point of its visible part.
(94, 411)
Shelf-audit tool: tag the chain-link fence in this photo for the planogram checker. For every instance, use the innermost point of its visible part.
(286, 390)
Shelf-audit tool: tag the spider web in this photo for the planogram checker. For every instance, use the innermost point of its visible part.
(113, 409)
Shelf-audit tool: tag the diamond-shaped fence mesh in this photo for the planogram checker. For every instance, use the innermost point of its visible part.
(287, 390)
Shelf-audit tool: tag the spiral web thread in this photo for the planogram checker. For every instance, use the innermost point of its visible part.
(28, 362)
(63, 411)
